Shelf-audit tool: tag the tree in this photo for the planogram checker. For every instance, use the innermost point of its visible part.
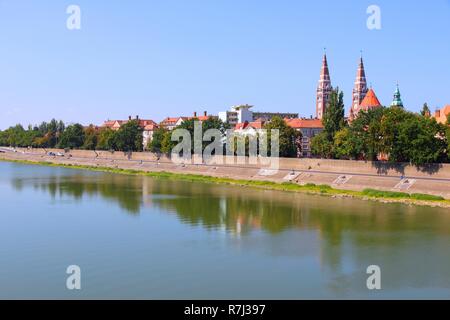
(167, 144)
(408, 137)
(91, 135)
(365, 134)
(424, 140)
(72, 137)
(322, 146)
(334, 116)
(425, 110)
(129, 137)
(288, 137)
(155, 145)
(105, 140)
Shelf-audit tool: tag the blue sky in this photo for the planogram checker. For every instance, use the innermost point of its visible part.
(168, 58)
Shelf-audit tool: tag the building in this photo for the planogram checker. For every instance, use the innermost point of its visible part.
(249, 128)
(171, 123)
(237, 114)
(147, 134)
(441, 115)
(359, 90)
(268, 116)
(117, 124)
(323, 89)
(242, 114)
(309, 129)
(397, 102)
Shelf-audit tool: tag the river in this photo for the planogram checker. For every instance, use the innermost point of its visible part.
(146, 238)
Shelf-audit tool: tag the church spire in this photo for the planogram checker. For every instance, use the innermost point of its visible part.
(323, 89)
(397, 102)
(359, 89)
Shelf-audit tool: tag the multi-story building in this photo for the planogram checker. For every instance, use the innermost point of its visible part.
(237, 114)
(268, 116)
(309, 129)
(242, 114)
(171, 123)
(117, 124)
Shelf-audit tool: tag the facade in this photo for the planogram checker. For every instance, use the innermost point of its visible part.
(359, 90)
(309, 129)
(249, 128)
(147, 134)
(441, 115)
(242, 114)
(116, 124)
(171, 123)
(268, 116)
(323, 89)
(237, 114)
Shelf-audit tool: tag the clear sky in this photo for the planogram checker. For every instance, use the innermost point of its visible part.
(173, 57)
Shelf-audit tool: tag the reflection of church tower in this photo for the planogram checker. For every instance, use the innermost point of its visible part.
(324, 89)
(359, 90)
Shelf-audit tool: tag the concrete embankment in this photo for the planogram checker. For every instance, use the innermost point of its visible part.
(341, 174)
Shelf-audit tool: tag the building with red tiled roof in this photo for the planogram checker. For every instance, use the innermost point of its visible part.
(441, 115)
(309, 129)
(249, 128)
(171, 123)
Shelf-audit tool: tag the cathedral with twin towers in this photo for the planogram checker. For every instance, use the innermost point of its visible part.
(363, 97)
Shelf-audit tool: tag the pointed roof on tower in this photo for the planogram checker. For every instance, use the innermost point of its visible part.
(361, 73)
(325, 72)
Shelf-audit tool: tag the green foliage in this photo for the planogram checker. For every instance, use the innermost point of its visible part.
(72, 137)
(322, 146)
(289, 138)
(400, 135)
(129, 137)
(167, 144)
(155, 145)
(333, 118)
(105, 140)
(91, 135)
(407, 137)
(425, 110)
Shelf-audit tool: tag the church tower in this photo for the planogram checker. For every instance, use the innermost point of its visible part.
(323, 89)
(359, 90)
(397, 102)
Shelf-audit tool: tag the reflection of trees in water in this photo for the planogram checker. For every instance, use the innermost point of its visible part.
(362, 232)
(125, 190)
(218, 206)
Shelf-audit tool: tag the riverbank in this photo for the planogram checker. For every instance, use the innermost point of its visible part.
(308, 188)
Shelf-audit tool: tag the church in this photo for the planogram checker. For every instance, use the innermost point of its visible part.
(363, 97)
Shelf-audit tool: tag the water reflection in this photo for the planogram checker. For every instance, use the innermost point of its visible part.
(410, 242)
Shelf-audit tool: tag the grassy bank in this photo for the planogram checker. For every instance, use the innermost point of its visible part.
(309, 188)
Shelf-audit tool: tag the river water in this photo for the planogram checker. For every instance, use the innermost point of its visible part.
(146, 238)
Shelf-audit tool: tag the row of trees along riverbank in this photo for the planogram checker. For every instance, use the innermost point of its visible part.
(128, 138)
(393, 133)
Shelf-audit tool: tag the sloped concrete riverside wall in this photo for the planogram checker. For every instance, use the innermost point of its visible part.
(342, 174)
(286, 164)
